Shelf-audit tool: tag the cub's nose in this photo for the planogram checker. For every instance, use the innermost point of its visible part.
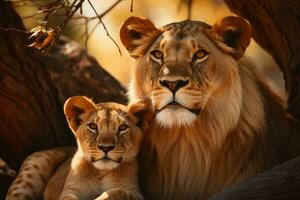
(173, 86)
(106, 148)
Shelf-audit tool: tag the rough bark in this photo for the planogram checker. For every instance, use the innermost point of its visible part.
(74, 72)
(280, 183)
(276, 28)
(5, 182)
(33, 88)
(6, 177)
(31, 117)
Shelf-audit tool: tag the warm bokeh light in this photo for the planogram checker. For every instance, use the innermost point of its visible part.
(161, 13)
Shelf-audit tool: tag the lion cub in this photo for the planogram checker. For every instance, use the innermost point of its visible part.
(103, 167)
(108, 137)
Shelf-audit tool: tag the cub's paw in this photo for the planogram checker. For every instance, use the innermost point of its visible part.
(104, 196)
(118, 194)
(69, 197)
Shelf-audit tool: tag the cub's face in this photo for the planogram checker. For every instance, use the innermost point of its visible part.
(181, 66)
(107, 133)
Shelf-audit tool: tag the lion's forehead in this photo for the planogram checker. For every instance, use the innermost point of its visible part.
(109, 116)
(186, 36)
(111, 106)
(185, 28)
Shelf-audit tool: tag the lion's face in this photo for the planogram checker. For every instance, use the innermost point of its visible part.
(183, 75)
(107, 136)
(182, 66)
(107, 133)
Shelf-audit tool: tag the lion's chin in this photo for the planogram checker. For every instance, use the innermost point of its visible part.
(172, 116)
(106, 164)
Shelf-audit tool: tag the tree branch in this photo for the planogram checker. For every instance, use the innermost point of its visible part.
(103, 25)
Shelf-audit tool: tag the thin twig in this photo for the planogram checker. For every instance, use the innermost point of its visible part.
(32, 15)
(102, 15)
(93, 29)
(189, 7)
(76, 6)
(95, 17)
(91, 32)
(70, 9)
(131, 6)
(17, 1)
(13, 29)
(104, 27)
(21, 3)
(109, 9)
(86, 32)
(67, 19)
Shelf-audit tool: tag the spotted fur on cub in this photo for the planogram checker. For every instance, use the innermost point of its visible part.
(103, 167)
(34, 173)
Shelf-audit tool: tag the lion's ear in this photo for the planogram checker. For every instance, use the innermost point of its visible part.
(141, 112)
(74, 107)
(136, 34)
(235, 33)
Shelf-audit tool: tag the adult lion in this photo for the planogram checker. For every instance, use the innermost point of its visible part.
(217, 122)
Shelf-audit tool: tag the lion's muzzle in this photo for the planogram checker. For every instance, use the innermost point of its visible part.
(173, 85)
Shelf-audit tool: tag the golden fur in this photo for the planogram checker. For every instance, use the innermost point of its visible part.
(103, 167)
(34, 173)
(217, 123)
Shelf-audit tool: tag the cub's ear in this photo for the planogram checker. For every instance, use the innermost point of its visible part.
(235, 33)
(141, 112)
(74, 107)
(137, 34)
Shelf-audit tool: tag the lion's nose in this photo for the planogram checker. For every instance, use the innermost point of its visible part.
(173, 86)
(106, 148)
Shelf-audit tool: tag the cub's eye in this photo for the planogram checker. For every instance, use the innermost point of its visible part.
(157, 55)
(93, 127)
(200, 55)
(123, 127)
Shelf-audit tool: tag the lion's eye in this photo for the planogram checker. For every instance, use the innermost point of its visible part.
(200, 55)
(157, 55)
(123, 127)
(93, 127)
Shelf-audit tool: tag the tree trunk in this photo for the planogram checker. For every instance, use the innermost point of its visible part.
(280, 183)
(31, 117)
(5, 182)
(276, 27)
(33, 88)
(74, 72)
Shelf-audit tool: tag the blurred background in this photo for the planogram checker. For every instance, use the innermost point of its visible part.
(160, 12)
